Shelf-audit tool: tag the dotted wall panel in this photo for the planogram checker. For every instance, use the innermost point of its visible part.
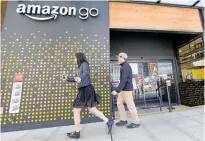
(42, 51)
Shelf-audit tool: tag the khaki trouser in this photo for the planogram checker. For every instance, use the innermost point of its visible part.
(126, 96)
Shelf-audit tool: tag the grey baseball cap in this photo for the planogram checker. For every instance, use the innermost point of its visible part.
(123, 55)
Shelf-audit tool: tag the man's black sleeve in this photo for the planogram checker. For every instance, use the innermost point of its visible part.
(112, 87)
(123, 79)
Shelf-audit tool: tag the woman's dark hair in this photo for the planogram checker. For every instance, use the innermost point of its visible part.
(81, 58)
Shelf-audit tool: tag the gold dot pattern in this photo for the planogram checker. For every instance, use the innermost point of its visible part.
(42, 59)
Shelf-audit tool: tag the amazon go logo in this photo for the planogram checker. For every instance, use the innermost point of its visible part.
(52, 12)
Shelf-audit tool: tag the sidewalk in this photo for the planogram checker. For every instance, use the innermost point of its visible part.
(185, 125)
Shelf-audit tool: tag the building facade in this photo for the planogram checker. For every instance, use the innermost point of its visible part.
(39, 40)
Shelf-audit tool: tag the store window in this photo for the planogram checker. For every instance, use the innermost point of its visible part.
(114, 72)
(191, 58)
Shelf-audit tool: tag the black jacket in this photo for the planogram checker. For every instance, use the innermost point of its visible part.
(112, 88)
(84, 74)
(125, 78)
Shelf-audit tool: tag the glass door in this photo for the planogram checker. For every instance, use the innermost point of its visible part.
(166, 71)
(145, 79)
(147, 76)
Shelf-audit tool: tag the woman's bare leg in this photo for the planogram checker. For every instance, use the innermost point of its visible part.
(77, 118)
(97, 113)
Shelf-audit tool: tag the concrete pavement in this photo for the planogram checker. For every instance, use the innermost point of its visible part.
(182, 125)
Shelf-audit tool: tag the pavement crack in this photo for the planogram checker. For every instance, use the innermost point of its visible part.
(152, 136)
(23, 136)
(182, 131)
(52, 133)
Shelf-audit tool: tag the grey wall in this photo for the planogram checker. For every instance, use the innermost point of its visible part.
(42, 51)
(139, 44)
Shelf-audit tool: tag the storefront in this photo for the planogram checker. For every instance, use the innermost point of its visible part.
(40, 46)
(152, 36)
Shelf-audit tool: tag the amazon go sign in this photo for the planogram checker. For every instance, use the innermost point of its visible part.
(52, 12)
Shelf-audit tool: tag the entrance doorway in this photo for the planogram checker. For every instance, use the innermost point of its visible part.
(149, 82)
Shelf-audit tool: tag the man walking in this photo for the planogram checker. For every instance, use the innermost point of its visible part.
(124, 91)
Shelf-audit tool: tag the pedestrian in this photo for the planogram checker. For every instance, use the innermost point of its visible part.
(140, 86)
(86, 98)
(124, 91)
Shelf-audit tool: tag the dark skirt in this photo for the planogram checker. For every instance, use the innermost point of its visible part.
(86, 97)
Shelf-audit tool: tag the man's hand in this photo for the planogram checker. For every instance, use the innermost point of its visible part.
(114, 93)
(77, 79)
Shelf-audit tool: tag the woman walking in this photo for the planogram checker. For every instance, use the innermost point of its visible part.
(86, 97)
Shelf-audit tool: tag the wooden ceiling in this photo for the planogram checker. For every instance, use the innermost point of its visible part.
(3, 11)
(154, 17)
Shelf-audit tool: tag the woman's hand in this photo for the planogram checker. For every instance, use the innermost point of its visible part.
(77, 79)
(114, 93)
